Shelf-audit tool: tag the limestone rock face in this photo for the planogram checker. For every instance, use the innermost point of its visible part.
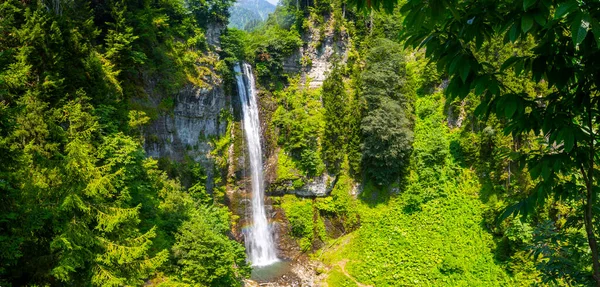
(316, 57)
(184, 128)
(456, 114)
(320, 186)
(323, 50)
(187, 129)
(213, 34)
(317, 187)
(194, 119)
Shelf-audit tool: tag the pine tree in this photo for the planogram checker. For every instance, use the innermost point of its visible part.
(100, 235)
(386, 126)
(334, 103)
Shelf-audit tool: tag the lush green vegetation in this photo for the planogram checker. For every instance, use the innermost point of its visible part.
(553, 129)
(432, 232)
(80, 204)
(440, 173)
(457, 140)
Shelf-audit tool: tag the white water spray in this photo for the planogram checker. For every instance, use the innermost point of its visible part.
(259, 240)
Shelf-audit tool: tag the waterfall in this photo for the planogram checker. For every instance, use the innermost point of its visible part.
(259, 240)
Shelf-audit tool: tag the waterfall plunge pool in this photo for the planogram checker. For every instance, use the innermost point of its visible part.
(272, 272)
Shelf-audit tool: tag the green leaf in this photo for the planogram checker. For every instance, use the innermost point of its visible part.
(526, 23)
(479, 40)
(480, 85)
(510, 210)
(527, 4)
(565, 8)
(569, 139)
(519, 66)
(540, 197)
(494, 88)
(465, 68)
(557, 163)
(596, 31)
(547, 3)
(509, 62)
(538, 68)
(513, 33)
(540, 18)
(535, 171)
(557, 136)
(579, 28)
(454, 64)
(510, 107)
(545, 171)
(481, 109)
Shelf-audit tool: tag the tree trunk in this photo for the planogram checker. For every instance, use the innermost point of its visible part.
(589, 229)
(589, 202)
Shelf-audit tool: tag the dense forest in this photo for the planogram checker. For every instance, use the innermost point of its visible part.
(411, 143)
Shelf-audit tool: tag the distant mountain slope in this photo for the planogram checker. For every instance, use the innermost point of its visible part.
(248, 13)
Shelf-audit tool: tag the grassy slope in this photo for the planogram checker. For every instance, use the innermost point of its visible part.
(430, 233)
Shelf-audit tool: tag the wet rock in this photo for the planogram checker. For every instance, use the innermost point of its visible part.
(315, 187)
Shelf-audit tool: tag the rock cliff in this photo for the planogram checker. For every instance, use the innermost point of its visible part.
(321, 49)
(184, 130)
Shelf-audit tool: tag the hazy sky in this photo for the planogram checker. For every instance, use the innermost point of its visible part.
(274, 2)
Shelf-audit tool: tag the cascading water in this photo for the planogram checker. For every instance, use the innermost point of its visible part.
(259, 240)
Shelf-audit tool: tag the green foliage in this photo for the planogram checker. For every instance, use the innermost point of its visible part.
(212, 11)
(386, 125)
(334, 133)
(400, 245)
(432, 145)
(95, 228)
(305, 224)
(233, 46)
(220, 152)
(286, 168)
(119, 40)
(387, 142)
(299, 123)
(342, 204)
(566, 259)
(203, 252)
(386, 76)
(198, 188)
(79, 202)
(560, 41)
(354, 135)
(337, 278)
(269, 45)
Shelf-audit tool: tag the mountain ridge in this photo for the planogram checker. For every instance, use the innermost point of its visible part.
(246, 14)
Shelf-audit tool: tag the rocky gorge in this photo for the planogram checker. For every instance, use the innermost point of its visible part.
(186, 129)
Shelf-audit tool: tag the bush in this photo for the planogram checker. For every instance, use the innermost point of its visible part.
(298, 121)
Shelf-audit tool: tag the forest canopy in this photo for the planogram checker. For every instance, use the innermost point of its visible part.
(452, 142)
(80, 202)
